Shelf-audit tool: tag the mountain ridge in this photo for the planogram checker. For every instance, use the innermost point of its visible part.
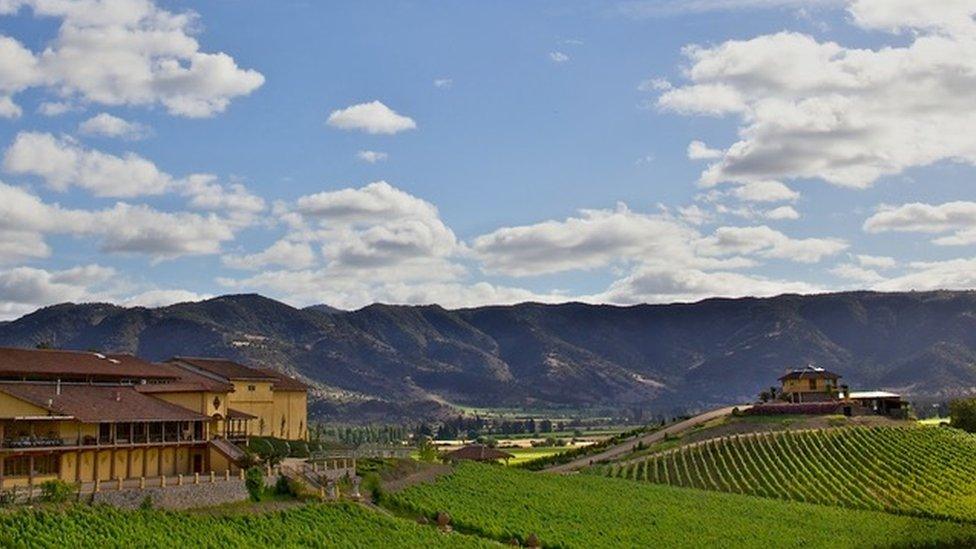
(385, 361)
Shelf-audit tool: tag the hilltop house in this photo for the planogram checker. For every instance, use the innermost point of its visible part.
(814, 390)
(82, 416)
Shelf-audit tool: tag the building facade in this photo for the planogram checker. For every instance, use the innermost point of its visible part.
(85, 417)
(809, 385)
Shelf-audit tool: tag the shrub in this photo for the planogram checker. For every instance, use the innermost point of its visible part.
(373, 486)
(254, 482)
(147, 504)
(283, 486)
(56, 491)
(962, 414)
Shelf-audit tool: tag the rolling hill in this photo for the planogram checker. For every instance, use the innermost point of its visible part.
(408, 361)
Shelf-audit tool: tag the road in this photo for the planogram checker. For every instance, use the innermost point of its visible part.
(650, 438)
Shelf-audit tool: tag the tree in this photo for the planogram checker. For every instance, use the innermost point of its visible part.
(962, 413)
(426, 451)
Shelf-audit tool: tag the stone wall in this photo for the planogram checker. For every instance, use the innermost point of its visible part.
(176, 497)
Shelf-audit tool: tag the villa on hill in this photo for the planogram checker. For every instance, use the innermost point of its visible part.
(812, 390)
(85, 417)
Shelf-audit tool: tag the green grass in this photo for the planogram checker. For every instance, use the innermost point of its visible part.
(591, 511)
(923, 471)
(523, 455)
(318, 525)
(934, 421)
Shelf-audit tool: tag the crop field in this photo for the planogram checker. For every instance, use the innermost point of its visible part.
(307, 526)
(503, 503)
(924, 471)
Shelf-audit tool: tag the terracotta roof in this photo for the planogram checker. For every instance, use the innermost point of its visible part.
(186, 381)
(52, 364)
(99, 403)
(477, 452)
(807, 373)
(283, 382)
(237, 414)
(223, 368)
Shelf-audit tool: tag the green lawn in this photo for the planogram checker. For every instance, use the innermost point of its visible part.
(528, 454)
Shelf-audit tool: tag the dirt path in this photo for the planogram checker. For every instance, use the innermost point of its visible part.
(428, 474)
(650, 438)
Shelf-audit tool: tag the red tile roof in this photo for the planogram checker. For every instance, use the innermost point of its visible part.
(52, 364)
(237, 414)
(220, 367)
(282, 381)
(809, 373)
(99, 403)
(186, 381)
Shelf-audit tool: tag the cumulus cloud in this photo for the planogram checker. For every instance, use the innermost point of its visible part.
(106, 125)
(848, 116)
(372, 157)
(283, 253)
(162, 298)
(876, 261)
(953, 274)
(698, 150)
(23, 289)
(770, 243)
(373, 117)
(662, 284)
(764, 191)
(781, 213)
(123, 228)
(125, 52)
(958, 217)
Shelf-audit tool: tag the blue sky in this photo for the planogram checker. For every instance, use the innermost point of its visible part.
(472, 152)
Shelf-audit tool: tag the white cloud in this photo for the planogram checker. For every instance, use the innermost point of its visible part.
(781, 213)
(9, 109)
(62, 162)
(643, 9)
(283, 253)
(662, 284)
(105, 124)
(764, 191)
(957, 217)
(123, 228)
(24, 288)
(698, 150)
(125, 52)
(856, 273)
(443, 82)
(558, 57)
(654, 84)
(372, 156)
(770, 243)
(56, 108)
(162, 298)
(876, 261)
(373, 117)
(848, 116)
(953, 274)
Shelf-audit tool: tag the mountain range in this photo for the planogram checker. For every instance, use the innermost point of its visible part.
(384, 362)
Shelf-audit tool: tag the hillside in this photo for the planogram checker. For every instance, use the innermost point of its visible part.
(924, 471)
(386, 360)
(592, 511)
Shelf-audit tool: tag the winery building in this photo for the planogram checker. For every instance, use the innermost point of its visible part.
(83, 416)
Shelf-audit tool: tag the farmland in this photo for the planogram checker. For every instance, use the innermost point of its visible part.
(310, 525)
(588, 511)
(923, 471)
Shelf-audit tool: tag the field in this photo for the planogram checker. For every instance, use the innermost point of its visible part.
(924, 471)
(591, 511)
(523, 455)
(311, 525)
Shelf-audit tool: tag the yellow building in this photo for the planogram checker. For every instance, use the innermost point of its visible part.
(810, 385)
(278, 404)
(81, 417)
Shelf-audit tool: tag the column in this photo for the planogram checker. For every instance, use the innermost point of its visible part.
(111, 466)
(2, 459)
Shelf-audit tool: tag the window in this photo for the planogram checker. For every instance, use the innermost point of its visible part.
(813, 384)
(20, 466)
(252, 388)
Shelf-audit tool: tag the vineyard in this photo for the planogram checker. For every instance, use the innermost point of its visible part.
(306, 526)
(921, 471)
(591, 511)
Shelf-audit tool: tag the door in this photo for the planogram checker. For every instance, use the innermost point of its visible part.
(197, 463)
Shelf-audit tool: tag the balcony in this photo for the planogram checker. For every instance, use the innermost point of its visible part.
(30, 436)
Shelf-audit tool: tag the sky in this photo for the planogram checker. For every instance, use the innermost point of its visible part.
(473, 153)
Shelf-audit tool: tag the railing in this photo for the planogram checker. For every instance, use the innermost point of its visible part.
(88, 440)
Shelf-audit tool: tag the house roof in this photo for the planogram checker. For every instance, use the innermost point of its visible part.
(237, 414)
(98, 403)
(186, 380)
(282, 381)
(477, 452)
(808, 373)
(52, 364)
(223, 368)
